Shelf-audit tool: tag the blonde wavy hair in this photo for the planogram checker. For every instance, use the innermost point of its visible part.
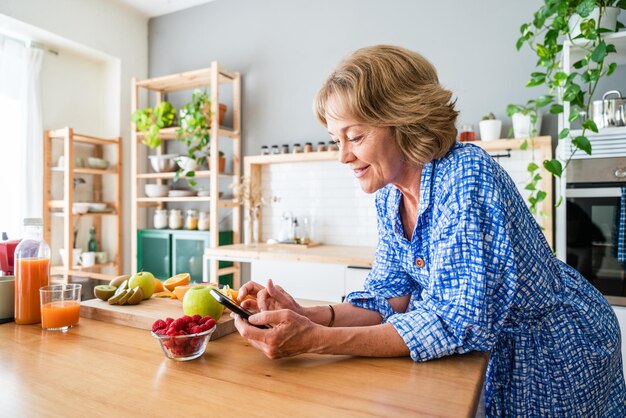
(390, 86)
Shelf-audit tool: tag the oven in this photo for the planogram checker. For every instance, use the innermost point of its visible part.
(596, 222)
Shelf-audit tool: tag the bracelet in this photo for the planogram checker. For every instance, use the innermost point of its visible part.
(332, 316)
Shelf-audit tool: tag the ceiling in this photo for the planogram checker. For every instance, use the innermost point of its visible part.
(153, 8)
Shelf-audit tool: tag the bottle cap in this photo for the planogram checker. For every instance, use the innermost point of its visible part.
(33, 222)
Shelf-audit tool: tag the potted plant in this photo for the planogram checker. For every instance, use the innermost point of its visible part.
(490, 128)
(149, 121)
(526, 119)
(221, 162)
(194, 131)
(546, 35)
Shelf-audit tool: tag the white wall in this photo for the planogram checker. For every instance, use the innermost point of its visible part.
(104, 28)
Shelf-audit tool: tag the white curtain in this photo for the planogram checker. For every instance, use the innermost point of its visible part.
(21, 140)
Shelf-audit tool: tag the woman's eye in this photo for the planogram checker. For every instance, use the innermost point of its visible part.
(355, 139)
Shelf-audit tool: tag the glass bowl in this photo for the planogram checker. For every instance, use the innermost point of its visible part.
(184, 347)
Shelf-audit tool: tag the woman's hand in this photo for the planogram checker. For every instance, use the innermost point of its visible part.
(268, 298)
(291, 333)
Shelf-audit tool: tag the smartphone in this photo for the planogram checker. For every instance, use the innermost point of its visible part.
(232, 305)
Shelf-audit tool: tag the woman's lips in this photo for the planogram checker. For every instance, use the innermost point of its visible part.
(360, 172)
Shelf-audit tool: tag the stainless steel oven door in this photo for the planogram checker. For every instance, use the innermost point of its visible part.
(595, 222)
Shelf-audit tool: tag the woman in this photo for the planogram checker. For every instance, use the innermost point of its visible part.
(460, 265)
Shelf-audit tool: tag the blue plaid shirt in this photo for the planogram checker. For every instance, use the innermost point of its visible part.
(482, 277)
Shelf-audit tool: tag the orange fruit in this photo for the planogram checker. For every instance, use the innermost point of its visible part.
(180, 291)
(181, 279)
(158, 286)
(164, 294)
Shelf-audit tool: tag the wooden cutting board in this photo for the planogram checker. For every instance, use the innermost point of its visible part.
(143, 315)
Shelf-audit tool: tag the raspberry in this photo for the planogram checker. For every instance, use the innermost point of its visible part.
(168, 321)
(191, 325)
(160, 331)
(158, 324)
(178, 324)
(197, 329)
(196, 318)
(171, 332)
(186, 319)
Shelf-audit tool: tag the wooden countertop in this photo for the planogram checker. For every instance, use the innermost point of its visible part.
(103, 370)
(333, 254)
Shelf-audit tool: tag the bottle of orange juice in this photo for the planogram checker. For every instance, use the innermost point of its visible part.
(32, 271)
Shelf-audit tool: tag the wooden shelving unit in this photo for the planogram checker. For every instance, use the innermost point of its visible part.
(110, 177)
(210, 78)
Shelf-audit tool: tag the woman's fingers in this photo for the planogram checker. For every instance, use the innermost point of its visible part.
(248, 331)
(250, 305)
(250, 288)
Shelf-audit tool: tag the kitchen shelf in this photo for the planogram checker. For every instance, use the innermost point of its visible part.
(170, 133)
(167, 176)
(62, 208)
(81, 170)
(212, 79)
(604, 132)
(293, 158)
(62, 271)
(576, 51)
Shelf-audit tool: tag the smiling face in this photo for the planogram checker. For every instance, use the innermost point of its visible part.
(371, 152)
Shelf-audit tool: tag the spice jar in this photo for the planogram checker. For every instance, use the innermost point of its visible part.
(204, 222)
(176, 219)
(467, 133)
(321, 146)
(191, 219)
(275, 149)
(284, 149)
(296, 148)
(160, 218)
(308, 147)
(265, 150)
(332, 146)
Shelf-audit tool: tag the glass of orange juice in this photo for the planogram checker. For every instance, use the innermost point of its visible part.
(60, 306)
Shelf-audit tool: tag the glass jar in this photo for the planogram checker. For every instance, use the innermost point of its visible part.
(275, 149)
(321, 146)
(467, 133)
(204, 222)
(284, 149)
(160, 218)
(332, 146)
(32, 271)
(175, 219)
(191, 219)
(296, 148)
(308, 147)
(265, 150)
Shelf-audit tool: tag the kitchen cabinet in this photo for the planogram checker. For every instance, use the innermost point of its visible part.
(166, 253)
(213, 79)
(105, 182)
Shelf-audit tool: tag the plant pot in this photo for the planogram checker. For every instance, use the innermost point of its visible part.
(522, 125)
(490, 129)
(223, 109)
(609, 20)
(221, 165)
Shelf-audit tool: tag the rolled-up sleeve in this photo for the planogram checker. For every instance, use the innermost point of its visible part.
(387, 279)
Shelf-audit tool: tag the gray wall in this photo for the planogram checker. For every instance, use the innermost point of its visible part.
(285, 49)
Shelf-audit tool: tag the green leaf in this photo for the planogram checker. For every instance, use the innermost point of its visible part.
(554, 167)
(560, 75)
(512, 109)
(541, 195)
(591, 125)
(558, 202)
(564, 133)
(573, 116)
(542, 51)
(585, 8)
(599, 52)
(524, 145)
(544, 100)
(581, 142)
(555, 109)
(519, 43)
(537, 177)
(532, 167)
(530, 186)
(610, 48)
(571, 92)
(612, 68)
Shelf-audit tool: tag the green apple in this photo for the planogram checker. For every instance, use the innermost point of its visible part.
(198, 300)
(145, 281)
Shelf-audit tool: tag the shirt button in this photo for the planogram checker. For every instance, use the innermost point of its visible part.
(419, 262)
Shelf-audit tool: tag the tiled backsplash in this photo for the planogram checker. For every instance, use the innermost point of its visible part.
(330, 197)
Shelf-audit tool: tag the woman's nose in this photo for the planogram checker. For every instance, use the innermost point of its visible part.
(345, 154)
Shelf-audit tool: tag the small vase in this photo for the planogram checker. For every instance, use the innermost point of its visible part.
(252, 227)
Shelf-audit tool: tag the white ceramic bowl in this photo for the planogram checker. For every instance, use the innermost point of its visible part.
(186, 163)
(97, 206)
(98, 163)
(80, 208)
(7, 296)
(163, 163)
(156, 190)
